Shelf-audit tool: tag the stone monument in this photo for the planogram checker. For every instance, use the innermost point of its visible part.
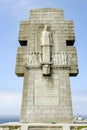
(46, 59)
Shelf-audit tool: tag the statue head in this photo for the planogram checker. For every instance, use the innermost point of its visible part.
(46, 27)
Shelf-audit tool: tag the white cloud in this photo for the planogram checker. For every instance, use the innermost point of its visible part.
(14, 7)
(79, 104)
(3, 2)
(80, 98)
(21, 7)
(10, 103)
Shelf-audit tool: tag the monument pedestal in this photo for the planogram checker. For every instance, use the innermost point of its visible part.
(42, 126)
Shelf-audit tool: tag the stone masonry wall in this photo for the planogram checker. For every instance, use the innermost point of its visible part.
(46, 99)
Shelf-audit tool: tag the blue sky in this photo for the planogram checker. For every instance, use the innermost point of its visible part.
(14, 11)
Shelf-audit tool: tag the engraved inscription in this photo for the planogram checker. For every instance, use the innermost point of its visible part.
(49, 94)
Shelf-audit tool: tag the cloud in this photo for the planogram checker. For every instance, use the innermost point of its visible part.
(14, 7)
(10, 103)
(21, 7)
(80, 98)
(4, 2)
(79, 102)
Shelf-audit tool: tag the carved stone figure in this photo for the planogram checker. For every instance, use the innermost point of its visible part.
(46, 38)
(46, 43)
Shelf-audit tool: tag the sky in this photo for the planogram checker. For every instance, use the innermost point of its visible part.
(14, 11)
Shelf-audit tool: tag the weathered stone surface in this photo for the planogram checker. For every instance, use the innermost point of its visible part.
(46, 66)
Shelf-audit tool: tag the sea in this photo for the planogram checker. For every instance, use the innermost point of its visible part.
(17, 119)
(9, 119)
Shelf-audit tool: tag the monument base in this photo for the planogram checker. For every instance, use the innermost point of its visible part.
(42, 126)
